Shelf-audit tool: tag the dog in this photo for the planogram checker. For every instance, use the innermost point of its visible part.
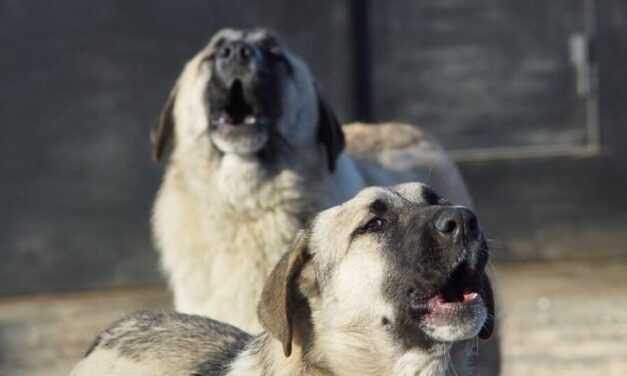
(382, 284)
(255, 150)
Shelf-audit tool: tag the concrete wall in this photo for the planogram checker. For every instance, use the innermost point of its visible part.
(81, 84)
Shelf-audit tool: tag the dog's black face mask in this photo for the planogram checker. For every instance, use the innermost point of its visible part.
(245, 91)
(436, 277)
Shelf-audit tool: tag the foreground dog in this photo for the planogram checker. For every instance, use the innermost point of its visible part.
(380, 285)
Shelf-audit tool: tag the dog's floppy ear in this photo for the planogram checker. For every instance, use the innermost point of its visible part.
(330, 133)
(280, 296)
(487, 293)
(162, 135)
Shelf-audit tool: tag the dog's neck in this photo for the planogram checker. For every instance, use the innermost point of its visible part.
(264, 356)
(251, 184)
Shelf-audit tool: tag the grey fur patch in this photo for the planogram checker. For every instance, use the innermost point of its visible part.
(219, 363)
(211, 345)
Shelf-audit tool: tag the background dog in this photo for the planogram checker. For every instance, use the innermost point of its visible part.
(383, 284)
(255, 152)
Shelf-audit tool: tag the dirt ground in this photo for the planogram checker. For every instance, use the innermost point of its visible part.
(565, 318)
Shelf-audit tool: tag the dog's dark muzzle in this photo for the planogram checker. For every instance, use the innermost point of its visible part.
(453, 267)
(237, 60)
(457, 225)
(456, 231)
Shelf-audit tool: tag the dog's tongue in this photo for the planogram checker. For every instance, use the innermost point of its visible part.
(470, 297)
(439, 301)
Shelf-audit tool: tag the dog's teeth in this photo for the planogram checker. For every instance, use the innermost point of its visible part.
(222, 120)
(470, 296)
(250, 119)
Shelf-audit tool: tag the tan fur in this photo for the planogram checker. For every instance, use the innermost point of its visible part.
(364, 140)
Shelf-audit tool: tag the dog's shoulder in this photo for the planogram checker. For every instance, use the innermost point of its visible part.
(183, 342)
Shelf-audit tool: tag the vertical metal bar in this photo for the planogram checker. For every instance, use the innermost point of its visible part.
(361, 65)
(591, 15)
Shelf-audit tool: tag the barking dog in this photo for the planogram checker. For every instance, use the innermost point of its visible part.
(383, 284)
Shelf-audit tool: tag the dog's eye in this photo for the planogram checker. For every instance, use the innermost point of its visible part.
(376, 224)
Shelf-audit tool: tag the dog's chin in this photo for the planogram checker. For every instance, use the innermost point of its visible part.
(454, 321)
(243, 142)
(456, 312)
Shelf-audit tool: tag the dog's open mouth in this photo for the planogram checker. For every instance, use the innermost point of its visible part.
(236, 110)
(460, 291)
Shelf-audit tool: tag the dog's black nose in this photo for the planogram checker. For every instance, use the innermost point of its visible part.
(236, 52)
(457, 222)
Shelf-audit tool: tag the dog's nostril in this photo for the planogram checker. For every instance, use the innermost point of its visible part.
(446, 226)
(450, 221)
(225, 52)
(245, 52)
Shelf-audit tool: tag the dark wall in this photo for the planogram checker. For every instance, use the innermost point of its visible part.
(83, 82)
(480, 74)
(568, 204)
(537, 129)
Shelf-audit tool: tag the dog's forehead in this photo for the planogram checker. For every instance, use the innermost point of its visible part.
(397, 197)
(351, 210)
(418, 193)
(341, 218)
(228, 34)
(401, 195)
(258, 34)
(251, 35)
(369, 195)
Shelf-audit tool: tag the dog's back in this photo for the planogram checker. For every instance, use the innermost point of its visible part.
(393, 153)
(150, 343)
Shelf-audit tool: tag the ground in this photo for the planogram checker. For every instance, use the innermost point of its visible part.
(562, 318)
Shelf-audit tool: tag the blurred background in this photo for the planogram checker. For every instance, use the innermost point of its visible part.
(530, 97)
